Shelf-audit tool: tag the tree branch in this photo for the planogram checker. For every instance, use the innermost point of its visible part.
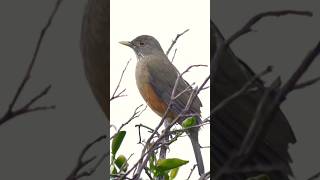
(247, 27)
(115, 94)
(11, 113)
(135, 114)
(175, 41)
(75, 173)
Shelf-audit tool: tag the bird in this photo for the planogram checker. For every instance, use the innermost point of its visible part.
(94, 45)
(155, 78)
(230, 124)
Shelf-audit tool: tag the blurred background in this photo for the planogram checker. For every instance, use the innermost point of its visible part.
(283, 43)
(46, 144)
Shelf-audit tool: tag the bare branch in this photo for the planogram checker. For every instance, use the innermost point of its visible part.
(244, 88)
(191, 171)
(174, 55)
(135, 114)
(35, 54)
(307, 83)
(291, 83)
(257, 124)
(175, 41)
(11, 113)
(93, 169)
(314, 177)
(247, 27)
(120, 94)
(150, 130)
(76, 174)
(189, 88)
(148, 174)
(205, 176)
(27, 107)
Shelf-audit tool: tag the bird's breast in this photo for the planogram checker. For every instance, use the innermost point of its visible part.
(148, 92)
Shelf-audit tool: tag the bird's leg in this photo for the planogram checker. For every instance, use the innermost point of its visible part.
(164, 147)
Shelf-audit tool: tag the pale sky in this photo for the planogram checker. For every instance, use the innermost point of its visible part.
(163, 20)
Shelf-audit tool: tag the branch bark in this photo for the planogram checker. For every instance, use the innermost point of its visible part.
(11, 112)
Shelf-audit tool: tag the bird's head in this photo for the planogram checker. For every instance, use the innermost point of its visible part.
(144, 45)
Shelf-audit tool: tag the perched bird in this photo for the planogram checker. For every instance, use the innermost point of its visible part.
(230, 124)
(155, 78)
(95, 50)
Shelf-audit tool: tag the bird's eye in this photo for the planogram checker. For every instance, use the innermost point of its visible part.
(141, 43)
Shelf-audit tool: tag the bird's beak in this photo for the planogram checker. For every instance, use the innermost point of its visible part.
(126, 43)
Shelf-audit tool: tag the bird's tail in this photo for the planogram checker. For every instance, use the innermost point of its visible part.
(193, 135)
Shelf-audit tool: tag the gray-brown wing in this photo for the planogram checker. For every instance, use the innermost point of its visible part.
(231, 123)
(163, 76)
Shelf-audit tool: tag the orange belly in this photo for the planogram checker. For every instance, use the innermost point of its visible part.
(155, 102)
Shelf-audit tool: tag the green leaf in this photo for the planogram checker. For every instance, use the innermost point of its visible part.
(151, 162)
(166, 177)
(168, 164)
(173, 173)
(113, 169)
(121, 161)
(116, 142)
(260, 177)
(162, 174)
(190, 121)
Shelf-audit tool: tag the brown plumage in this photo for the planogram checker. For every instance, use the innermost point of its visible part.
(231, 123)
(155, 78)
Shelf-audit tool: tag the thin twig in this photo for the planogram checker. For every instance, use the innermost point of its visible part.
(188, 88)
(238, 93)
(150, 130)
(147, 173)
(315, 176)
(120, 94)
(288, 87)
(11, 113)
(93, 169)
(257, 123)
(205, 176)
(175, 41)
(137, 113)
(174, 55)
(75, 173)
(191, 171)
(307, 83)
(247, 27)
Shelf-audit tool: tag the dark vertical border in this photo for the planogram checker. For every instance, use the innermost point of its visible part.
(212, 49)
